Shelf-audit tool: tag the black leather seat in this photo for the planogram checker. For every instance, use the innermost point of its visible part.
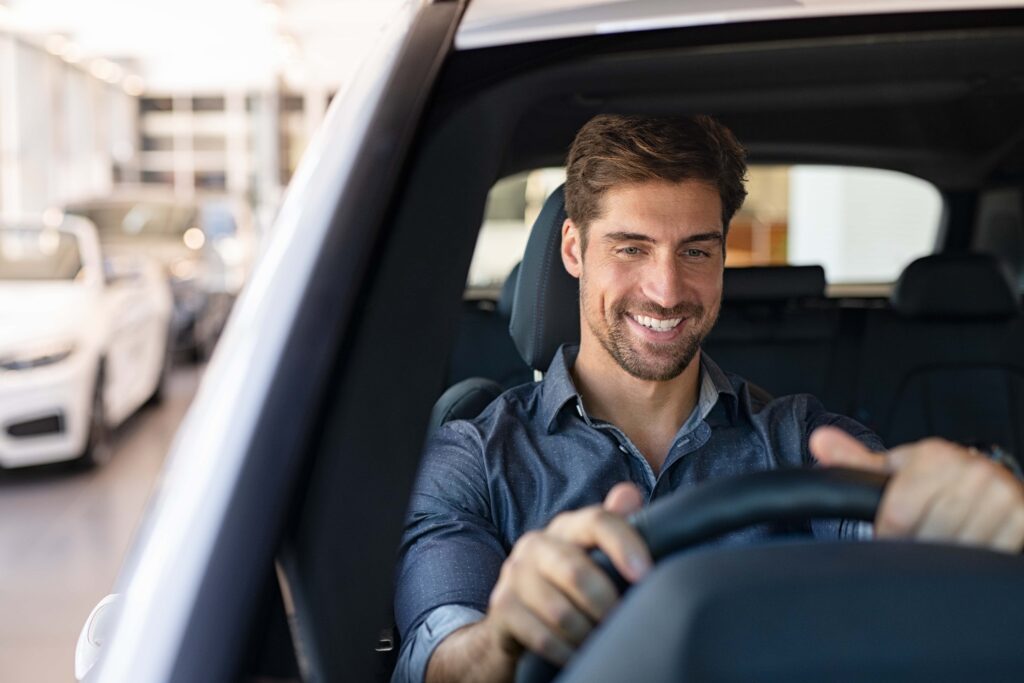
(948, 359)
(483, 347)
(777, 329)
(542, 304)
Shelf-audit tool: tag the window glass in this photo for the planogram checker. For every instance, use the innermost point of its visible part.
(137, 219)
(30, 254)
(862, 225)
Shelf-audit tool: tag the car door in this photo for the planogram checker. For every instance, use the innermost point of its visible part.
(196, 576)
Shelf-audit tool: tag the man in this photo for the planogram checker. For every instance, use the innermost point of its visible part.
(494, 561)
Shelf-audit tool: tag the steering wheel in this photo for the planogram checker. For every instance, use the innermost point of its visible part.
(694, 516)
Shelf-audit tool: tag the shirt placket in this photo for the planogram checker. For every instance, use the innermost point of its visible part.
(684, 444)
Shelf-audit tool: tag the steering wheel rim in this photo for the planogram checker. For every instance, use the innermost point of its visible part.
(694, 516)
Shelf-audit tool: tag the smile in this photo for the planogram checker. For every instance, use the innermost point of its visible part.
(657, 324)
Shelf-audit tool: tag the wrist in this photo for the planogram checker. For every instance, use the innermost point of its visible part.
(477, 652)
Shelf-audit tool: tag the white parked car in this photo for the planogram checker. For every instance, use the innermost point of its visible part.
(83, 341)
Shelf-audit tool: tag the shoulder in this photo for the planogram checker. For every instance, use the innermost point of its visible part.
(799, 413)
(514, 407)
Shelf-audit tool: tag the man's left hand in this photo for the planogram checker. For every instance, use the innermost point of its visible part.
(939, 491)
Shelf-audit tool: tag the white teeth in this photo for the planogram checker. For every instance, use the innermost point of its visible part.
(656, 324)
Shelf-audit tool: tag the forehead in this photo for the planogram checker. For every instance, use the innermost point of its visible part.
(688, 205)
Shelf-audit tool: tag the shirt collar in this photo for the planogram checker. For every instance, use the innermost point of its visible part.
(558, 388)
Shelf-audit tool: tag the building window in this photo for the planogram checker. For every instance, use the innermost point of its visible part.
(211, 180)
(158, 177)
(157, 143)
(151, 104)
(204, 104)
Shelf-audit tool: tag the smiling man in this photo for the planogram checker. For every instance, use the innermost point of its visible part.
(493, 561)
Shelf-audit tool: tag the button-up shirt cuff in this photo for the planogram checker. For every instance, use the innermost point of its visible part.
(421, 643)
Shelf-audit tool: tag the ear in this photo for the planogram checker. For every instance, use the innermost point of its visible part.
(572, 248)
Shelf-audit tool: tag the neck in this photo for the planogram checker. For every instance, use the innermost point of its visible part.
(649, 412)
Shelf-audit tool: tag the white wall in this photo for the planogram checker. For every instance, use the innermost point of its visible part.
(60, 129)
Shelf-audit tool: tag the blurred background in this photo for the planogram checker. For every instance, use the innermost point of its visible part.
(144, 149)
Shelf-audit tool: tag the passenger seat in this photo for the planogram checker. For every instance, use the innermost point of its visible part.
(948, 359)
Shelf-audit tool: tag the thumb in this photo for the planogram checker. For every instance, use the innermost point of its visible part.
(624, 499)
(832, 447)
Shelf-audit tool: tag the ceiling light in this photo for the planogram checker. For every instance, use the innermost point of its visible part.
(133, 85)
(72, 53)
(56, 45)
(102, 69)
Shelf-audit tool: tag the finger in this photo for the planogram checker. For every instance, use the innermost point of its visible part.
(594, 527)
(572, 572)
(1010, 538)
(987, 520)
(832, 447)
(533, 634)
(624, 499)
(554, 609)
(961, 499)
(923, 476)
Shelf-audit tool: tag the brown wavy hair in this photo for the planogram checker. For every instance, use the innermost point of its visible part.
(611, 150)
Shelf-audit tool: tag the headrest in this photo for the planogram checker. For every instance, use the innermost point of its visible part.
(956, 285)
(508, 293)
(545, 313)
(773, 283)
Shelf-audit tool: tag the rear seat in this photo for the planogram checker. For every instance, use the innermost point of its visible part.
(945, 358)
(948, 359)
(778, 330)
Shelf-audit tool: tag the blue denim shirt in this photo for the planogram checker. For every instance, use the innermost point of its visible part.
(534, 452)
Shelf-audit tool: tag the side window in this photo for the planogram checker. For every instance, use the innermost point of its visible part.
(512, 206)
(862, 225)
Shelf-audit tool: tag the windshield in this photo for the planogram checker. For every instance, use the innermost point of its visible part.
(138, 219)
(34, 254)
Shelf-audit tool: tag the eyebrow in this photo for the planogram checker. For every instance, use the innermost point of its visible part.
(714, 236)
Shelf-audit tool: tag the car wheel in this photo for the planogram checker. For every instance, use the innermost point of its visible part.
(97, 445)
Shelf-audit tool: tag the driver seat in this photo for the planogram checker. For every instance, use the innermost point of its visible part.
(544, 315)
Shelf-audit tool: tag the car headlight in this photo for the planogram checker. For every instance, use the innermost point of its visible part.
(39, 356)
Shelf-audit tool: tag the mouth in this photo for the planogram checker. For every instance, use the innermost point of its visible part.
(656, 324)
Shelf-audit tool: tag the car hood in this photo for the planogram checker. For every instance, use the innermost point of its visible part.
(45, 311)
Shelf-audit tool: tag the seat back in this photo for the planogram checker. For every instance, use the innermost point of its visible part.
(545, 310)
(777, 329)
(948, 359)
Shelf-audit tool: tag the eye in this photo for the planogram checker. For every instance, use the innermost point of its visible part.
(630, 251)
(697, 253)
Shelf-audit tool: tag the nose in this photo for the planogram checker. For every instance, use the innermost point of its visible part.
(665, 281)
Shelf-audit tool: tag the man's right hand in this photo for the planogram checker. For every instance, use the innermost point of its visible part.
(550, 594)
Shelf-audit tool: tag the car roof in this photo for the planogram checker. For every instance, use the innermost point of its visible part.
(488, 23)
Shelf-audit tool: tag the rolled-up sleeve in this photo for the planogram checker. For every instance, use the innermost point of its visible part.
(421, 643)
(451, 552)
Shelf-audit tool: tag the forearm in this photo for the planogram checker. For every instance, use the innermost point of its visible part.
(471, 655)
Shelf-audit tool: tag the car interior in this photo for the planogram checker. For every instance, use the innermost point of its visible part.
(938, 96)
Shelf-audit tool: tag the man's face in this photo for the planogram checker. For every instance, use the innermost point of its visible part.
(650, 275)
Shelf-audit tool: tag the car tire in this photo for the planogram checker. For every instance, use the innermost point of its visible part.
(98, 450)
